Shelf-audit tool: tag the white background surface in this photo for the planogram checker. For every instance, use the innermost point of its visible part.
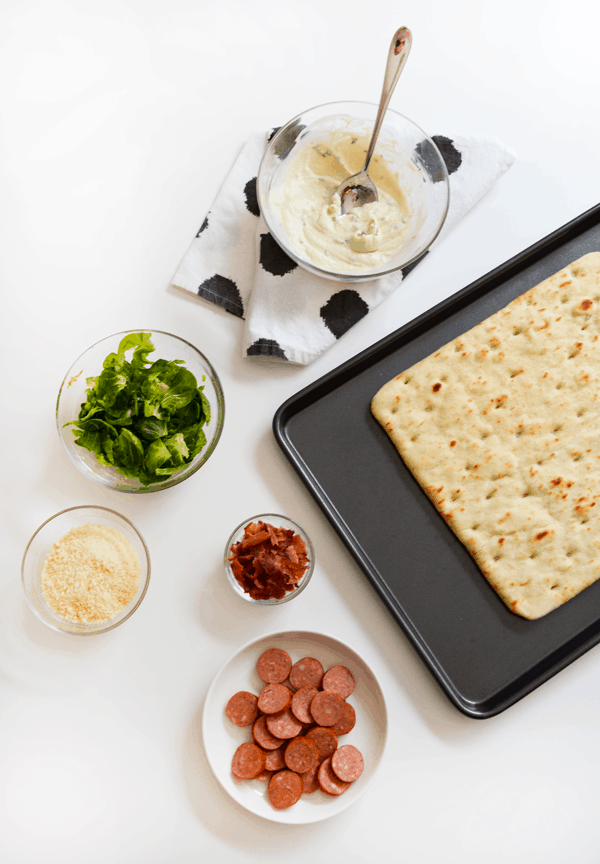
(119, 120)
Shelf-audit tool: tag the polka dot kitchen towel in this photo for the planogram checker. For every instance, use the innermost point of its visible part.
(290, 314)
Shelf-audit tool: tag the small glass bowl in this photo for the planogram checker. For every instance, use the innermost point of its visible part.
(277, 522)
(415, 157)
(40, 546)
(72, 394)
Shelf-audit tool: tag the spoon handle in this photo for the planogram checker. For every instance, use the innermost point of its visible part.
(397, 57)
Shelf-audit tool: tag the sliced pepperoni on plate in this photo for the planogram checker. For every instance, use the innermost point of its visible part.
(329, 783)
(339, 680)
(326, 708)
(242, 708)
(274, 666)
(284, 725)
(301, 755)
(307, 672)
(346, 722)
(274, 698)
(347, 763)
(301, 704)
(325, 740)
(263, 737)
(285, 789)
(248, 761)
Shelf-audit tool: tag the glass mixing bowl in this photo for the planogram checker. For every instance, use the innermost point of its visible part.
(276, 521)
(73, 393)
(41, 545)
(407, 149)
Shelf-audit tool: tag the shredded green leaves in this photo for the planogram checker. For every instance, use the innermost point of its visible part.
(144, 419)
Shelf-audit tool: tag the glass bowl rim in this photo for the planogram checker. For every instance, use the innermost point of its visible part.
(334, 274)
(108, 626)
(190, 468)
(306, 577)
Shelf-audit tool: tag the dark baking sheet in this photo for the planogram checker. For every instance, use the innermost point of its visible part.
(483, 656)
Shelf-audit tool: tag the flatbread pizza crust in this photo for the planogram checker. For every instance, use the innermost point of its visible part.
(501, 428)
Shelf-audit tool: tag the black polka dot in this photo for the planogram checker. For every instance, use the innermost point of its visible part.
(288, 138)
(204, 225)
(251, 198)
(406, 270)
(224, 293)
(452, 157)
(343, 311)
(430, 160)
(266, 348)
(272, 257)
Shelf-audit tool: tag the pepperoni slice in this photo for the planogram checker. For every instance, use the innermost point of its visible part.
(274, 666)
(274, 698)
(284, 725)
(274, 760)
(301, 755)
(324, 739)
(285, 788)
(309, 779)
(346, 722)
(264, 776)
(248, 761)
(339, 680)
(347, 763)
(307, 672)
(301, 703)
(263, 737)
(242, 708)
(326, 708)
(329, 783)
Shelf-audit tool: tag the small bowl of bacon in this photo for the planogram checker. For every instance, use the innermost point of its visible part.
(269, 559)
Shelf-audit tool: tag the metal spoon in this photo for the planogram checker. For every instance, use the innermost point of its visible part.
(359, 189)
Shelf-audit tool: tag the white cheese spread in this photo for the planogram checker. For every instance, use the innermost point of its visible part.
(310, 211)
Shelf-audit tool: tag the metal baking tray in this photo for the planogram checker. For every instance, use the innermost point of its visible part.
(483, 656)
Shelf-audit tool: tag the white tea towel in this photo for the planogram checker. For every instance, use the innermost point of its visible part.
(289, 313)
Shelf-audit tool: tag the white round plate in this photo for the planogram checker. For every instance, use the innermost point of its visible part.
(222, 737)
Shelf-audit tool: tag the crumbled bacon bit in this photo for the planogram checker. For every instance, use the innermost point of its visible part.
(268, 562)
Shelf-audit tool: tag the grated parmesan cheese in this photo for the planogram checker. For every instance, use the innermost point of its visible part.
(90, 575)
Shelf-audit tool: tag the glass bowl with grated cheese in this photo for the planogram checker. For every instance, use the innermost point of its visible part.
(85, 570)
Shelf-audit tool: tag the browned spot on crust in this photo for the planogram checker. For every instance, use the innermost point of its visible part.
(576, 349)
(436, 387)
(541, 535)
(452, 443)
(586, 304)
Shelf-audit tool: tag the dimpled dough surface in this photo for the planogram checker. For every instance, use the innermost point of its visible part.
(501, 428)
